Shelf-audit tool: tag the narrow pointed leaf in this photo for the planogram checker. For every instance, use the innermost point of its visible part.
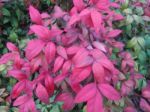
(86, 93)
(42, 94)
(109, 92)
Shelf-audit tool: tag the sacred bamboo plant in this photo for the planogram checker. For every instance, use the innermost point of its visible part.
(71, 58)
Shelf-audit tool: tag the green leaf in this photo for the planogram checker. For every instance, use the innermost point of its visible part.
(5, 12)
(2, 67)
(4, 108)
(139, 11)
(14, 22)
(6, 20)
(129, 19)
(127, 11)
(55, 109)
(132, 42)
(138, 19)
(141, 42)
(13, 36)
(141, 83)
(142, 57)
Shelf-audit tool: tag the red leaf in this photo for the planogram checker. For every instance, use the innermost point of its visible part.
(58, 63)
(96, 19)
(49, 84)
(66, 67)
(21, 100)
(109, 92)
(12, 47)
(60, 78)
(144, 105)
(99, 46)
(33, 48)
(84, 12)
(31, 106)
(17, 74)
(107, 64)
(130, 109)
(72, 50)
(17, 89)
(114, 33)
(95, 104)
(35, 15)
(103, 4)
(58, 12)
(81, 59)
(41, 31)
(79, 4)
(62, 52)
(50, 51)
(97, 54)
(98, 71)
(86, 93)
(75, 18)
(80, 74)
(68, 100)
(35, 63)
(42, 94)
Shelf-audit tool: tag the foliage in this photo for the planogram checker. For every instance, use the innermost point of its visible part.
(137, 32)
(76, 58)
(13, 23)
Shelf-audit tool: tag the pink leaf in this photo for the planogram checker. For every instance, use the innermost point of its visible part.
(41, 31)
(95, 104)
(66, 67)
(11, 47)
(35, 15)
(86, 93)
(100, 46)
(33, 48)
(58, 63)
(58, 12)
(35, 63)
(31, 106)
(96, 19)
(130, 109)
(97, 54)
(114, 33)
(59, 78)
(84, 12)
(68, 100)
(62, 52)
(98, 71)
(45, 15)
(79, 4)
(49, 84)
(81, 59)
(21, 100)
(42, 94)
(80, 74)
(75, 18)
(7, 57)
(144, 105)
(109, 92)
(50, 51)
(17, 74)
(17, 89)
(55, 32)
(115, 5)
(146, 92)
(107, 64)
(72, 50)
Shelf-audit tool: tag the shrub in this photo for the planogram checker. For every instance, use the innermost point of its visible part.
(75, 58)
